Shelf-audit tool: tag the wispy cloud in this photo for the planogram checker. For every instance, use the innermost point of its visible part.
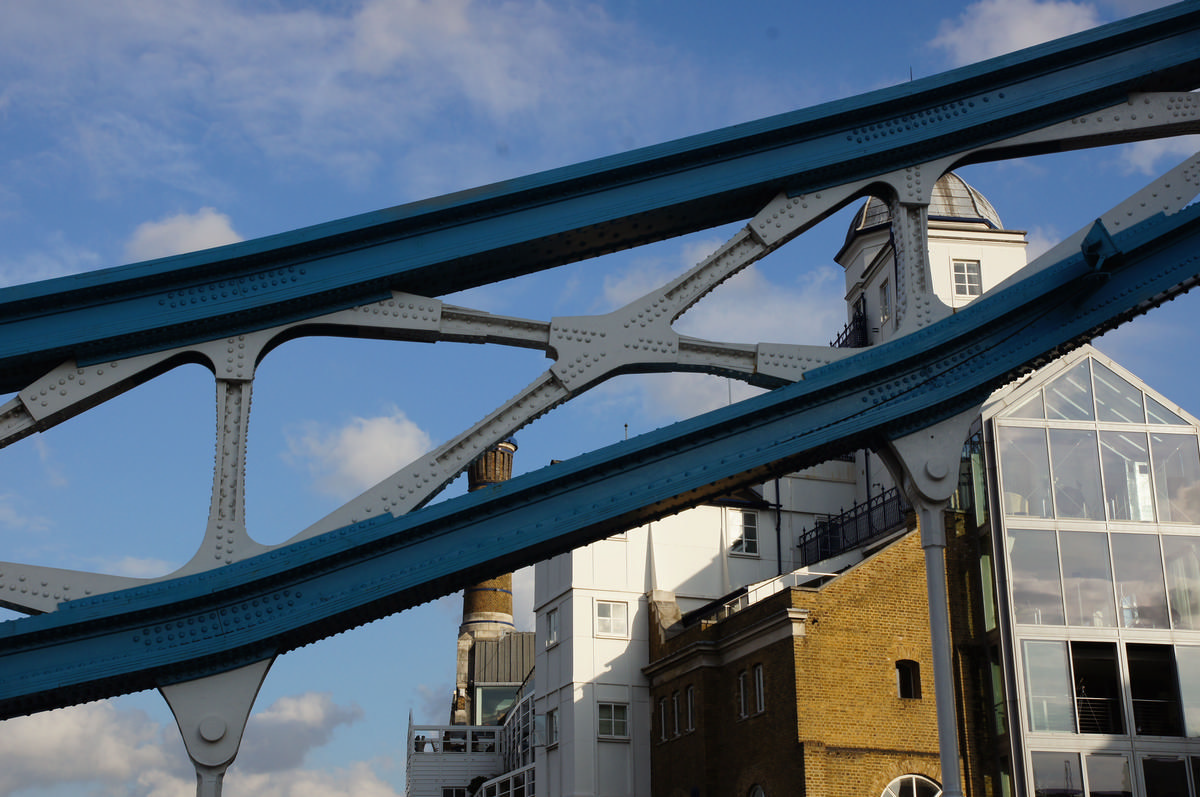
(994, 27)
(184, 232)
(1154, 157)
(345, 460)
(56, 258)
(279, 737)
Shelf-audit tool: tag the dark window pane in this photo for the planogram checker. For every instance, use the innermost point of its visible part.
(1153, 687)
(1087, 579)
(1037, 598)
(1097, 687)
(1141, 594)
(1165, 777)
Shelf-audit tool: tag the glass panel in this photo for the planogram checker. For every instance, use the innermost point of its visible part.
(1049, 686)
(1155, 691)
(1108, 776)
(1127, 486)
(1037, 597)
(1157, 413)
(1057, 775)
(1116, 400)
(1141, 594)
(1033, 408)
(1076, 467)
(1025, 469)
(1165, 777)
(1097, 687)
(1188, 659)
(1195, 762)
(998, 702)
(1182, 555)
(1069, 397)
(1087, 579)
(1176, 477)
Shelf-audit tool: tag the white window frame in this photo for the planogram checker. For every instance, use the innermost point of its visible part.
(662, 719)
(675, 711)
(618, 727)
(885, 302)
(967, 276)
(552, 727)
(743, 536)
(612, 621)
(552, 628)
(760, 690)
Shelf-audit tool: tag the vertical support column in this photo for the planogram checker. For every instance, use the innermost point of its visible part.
(926, 464)
(917, 306)
(211, 713)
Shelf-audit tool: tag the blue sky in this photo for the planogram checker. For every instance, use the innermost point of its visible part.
(132, 129)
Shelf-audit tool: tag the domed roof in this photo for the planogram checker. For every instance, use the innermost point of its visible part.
(953, 198)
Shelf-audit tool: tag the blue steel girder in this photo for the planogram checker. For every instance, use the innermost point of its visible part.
(475, 237)
(213, 621)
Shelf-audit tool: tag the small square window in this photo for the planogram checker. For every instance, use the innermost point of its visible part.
(743, 533)
(613, 720)
(612, 619)
(968, 278)
(552, 628)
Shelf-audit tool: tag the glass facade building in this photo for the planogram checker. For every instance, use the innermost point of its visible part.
(1095, 629)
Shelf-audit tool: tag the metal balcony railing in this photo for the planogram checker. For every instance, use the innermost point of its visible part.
(881, 515)
(854, 335)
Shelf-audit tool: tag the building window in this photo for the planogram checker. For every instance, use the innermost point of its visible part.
(908, 678)
(458, 792)
(662, 719)
(757, 791)
(552, 727)
(885, 302)
(552, 628)
(760, 690)
(612, 619)
(743, 533)
(968, 278)
(691, 708)
(741, 695)
(1153, 685)
(915, 786)
(613, 720)
(675, 712)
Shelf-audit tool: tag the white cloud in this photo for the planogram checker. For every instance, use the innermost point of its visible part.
(110, 751)
(345, 461)
(278, 738)
(1146, 157)
(994, 27)
(1039, 241)
(185, 232)
(56, 258)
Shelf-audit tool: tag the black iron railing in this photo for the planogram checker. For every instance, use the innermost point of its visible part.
(854, 335)
(881, 515)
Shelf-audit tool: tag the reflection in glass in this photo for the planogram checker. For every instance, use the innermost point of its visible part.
(1087, 579)
(1187, 658)
(1141, 594)
(1117, 401)
(1033, 408)
(1176, 477)
(1076, 468)
(1127, 486)
(1057, 775)
(1025, 469)
(1109, 775)
(1182, 555)
(1037, 597)
(1048, 682)
(1069, 397)
(1157, 413)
